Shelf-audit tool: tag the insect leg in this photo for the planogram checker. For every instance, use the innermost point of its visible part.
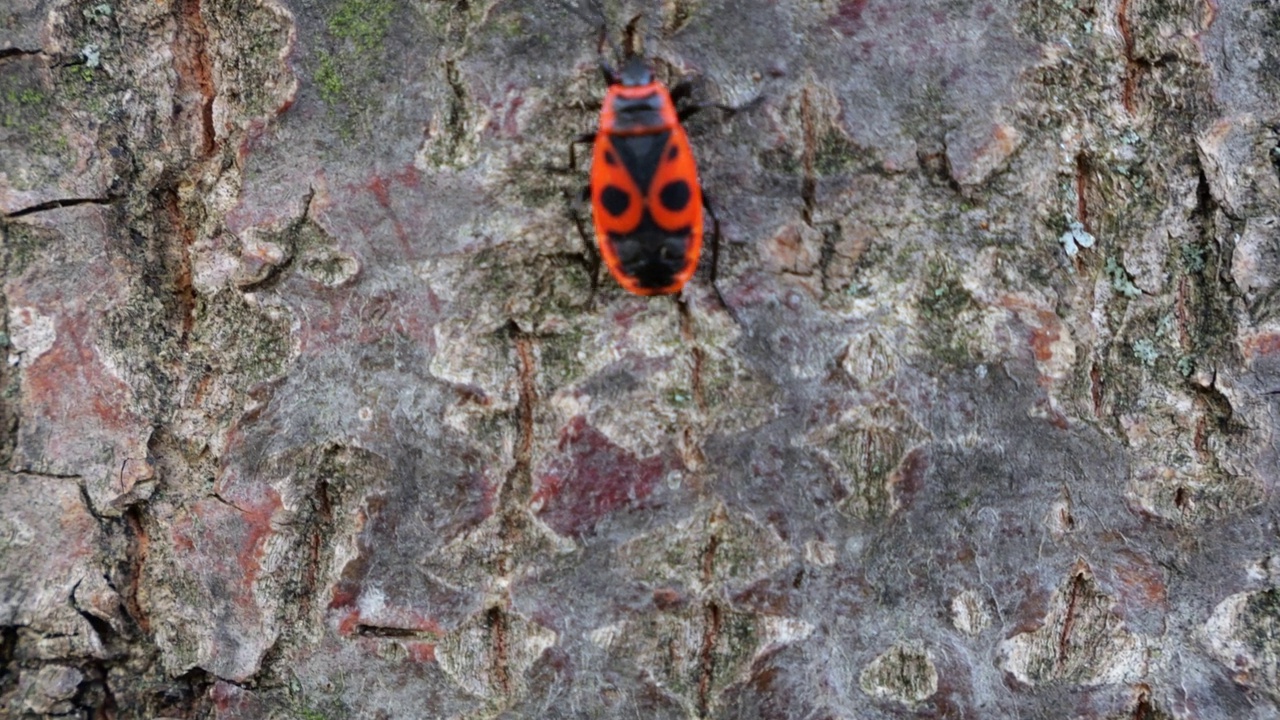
(610, 75)
(715, 238)
(580, 9)
(729, 110)
(581, 139)
(682, 90)
(715, 258)
(590, 254)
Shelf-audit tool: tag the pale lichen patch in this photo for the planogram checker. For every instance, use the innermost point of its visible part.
(904, 673)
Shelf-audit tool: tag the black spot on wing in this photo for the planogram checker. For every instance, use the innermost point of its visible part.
(615, 200)
(640, 155)
(609, 158)
(675, 195)
(672, 153)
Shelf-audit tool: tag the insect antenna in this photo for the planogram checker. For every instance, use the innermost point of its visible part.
(598, 21)
(632, 38)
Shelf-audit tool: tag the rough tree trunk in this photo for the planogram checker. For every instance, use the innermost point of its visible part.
(316, 406)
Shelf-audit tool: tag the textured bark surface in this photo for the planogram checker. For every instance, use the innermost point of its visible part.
(317, 406)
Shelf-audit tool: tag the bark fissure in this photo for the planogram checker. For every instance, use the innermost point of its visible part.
(1068, 622)
(106, 633)
(139, 544)
(184, 287)
(590, 255)
(520, 480)
(1132, 66)
(10, 52)
(497, 621)
(456, 111)
(394, 633)
(194, 68)
(41, 474)
(809, 183)
(1143, 710)
(711, 630)
(1082, 190)
(1095, 388)
(61, 203)
(827, 253)
(321, 527)
(512, 509)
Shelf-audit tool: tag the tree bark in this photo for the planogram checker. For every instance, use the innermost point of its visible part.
(319, 403)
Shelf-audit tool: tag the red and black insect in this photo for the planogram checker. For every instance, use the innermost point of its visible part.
(646, 201)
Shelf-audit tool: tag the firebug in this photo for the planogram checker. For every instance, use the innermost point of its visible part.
(646, 202)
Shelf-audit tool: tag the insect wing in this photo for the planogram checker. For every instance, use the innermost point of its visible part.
(617, 204)
(675, 199)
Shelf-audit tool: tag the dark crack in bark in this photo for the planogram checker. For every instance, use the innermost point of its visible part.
(512, 506)
(60, 203)
(321, 527)
(520, 481)
(499, 631)
(711, 631)
(395, 633)
(139, 545)
(6, 53)
(1082, 189)
(184, 288)
(1132, 66)
(809, 184)
(1068, 621)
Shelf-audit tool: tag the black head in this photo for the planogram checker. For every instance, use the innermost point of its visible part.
(635, 72)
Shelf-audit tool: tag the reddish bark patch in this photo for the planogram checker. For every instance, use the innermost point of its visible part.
(383, 194)
(591, 477)
(1043, 337)
(1029, 615)
(421, 652)
(409, 176)
(253, 543)
(1045, 326)
(1139, 584)
(669, 599)
(907, 479)
(74, 409)
(347, 623)
(344, 318)
(71, 367)
(1251, 346)
(232, 702)
(393, 610)
(222, 546)
(848, 18)
(769, 597)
